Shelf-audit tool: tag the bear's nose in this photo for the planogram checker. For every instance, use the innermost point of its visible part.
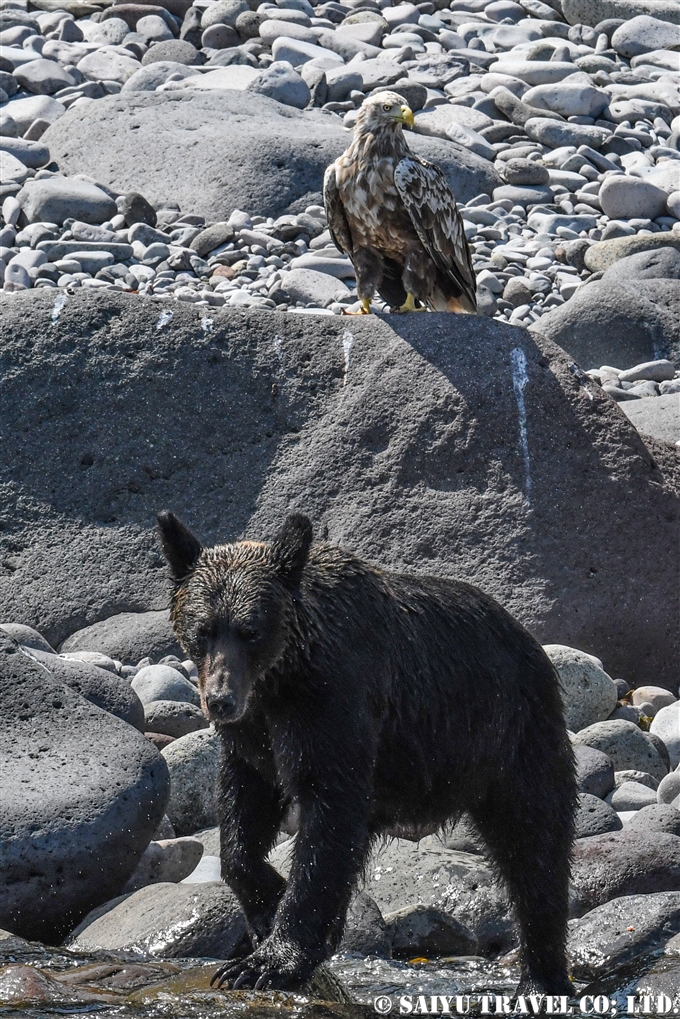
(221, 706)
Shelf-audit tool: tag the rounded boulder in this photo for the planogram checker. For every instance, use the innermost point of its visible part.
(666, 726)
(193, 763)
(629, 748)
(594, 771)
(163, 683)
(173, 718)
(87, 794)
(589, 694)
(624, 197)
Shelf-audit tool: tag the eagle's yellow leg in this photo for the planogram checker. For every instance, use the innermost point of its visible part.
(410, 305)
(365, 308)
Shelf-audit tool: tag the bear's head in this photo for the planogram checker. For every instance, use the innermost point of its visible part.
(233, 607)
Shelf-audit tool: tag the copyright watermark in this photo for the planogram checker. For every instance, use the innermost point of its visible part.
(529, 1004)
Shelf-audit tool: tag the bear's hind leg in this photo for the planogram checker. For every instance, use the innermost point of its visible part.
(529, 833)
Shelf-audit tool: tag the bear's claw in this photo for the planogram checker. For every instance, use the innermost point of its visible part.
(262, 970)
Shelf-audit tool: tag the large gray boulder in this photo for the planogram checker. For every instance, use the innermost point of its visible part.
(82, 794)
(167, 920)
(401, 436)
(217, 150)
(128, 636)
(621, 931)
(109, 692)
(612, 322)
(626, 862)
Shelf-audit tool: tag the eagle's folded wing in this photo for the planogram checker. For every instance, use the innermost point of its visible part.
(431, 205)
(335, 213)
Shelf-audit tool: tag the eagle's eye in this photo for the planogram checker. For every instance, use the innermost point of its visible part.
(387, 107)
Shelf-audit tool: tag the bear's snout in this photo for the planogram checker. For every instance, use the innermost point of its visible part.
(221, 706)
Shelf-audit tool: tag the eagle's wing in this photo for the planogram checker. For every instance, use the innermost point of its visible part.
(335, 212)
(430, 203)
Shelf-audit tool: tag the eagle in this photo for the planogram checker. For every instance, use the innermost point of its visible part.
(396, 218)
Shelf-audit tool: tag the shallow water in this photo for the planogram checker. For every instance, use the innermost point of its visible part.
(39, 982)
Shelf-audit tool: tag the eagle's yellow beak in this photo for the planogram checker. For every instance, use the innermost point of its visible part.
(406, 116)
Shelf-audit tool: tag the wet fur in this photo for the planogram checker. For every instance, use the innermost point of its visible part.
(388, 700)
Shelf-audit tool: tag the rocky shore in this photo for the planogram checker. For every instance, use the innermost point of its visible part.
(568, 131)
(164, 899)
(160, 204)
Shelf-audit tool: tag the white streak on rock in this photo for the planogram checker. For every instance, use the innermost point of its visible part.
(278, 346)
(520, 378)
(206, 324)
(59, 302)
(347, 344)
(163, 319)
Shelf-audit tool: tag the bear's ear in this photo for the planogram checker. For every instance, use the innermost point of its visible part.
(179, 545)
(292, 544)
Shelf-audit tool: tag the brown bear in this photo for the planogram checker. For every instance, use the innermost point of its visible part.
(372, 699)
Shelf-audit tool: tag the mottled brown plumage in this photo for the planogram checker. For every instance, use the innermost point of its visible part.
(395, 216)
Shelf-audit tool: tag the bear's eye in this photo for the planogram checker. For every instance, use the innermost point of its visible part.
(387, 107)
(248, 634)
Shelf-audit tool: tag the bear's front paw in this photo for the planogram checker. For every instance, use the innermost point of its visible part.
(276, 965)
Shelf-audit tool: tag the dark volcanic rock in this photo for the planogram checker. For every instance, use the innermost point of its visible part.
(213, 151)
(166, 920)
(86, 793)
(365, 928)
(400, 436)
(594, 771)
(128, 636)
(612, 322)
(594, 817)
(110, 693)
(656, 817)
(28, 637)
(621, 931)
(627, 862)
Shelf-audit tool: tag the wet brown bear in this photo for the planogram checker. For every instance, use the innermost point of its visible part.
(373, 699)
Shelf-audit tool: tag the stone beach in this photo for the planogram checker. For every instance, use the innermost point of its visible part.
(174, 332)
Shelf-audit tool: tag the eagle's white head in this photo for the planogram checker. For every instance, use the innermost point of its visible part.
(383, 111)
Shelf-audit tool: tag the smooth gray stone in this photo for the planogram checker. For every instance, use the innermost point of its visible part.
(147, 79)
(224, 150)
(620, 932)
(166, 920)
(43, 77)
(32, 154)
(93, 551)
(62, 249)
(594, 771)
(28, 637)
(280, 82)
(523, 195)
(88, 791)
(128, 636)
(54, 199)
(660, 263)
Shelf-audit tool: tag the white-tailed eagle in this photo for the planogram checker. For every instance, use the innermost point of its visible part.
(395, 216)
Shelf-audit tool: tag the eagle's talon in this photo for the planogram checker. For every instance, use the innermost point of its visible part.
(409, 305)
(364, 310)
